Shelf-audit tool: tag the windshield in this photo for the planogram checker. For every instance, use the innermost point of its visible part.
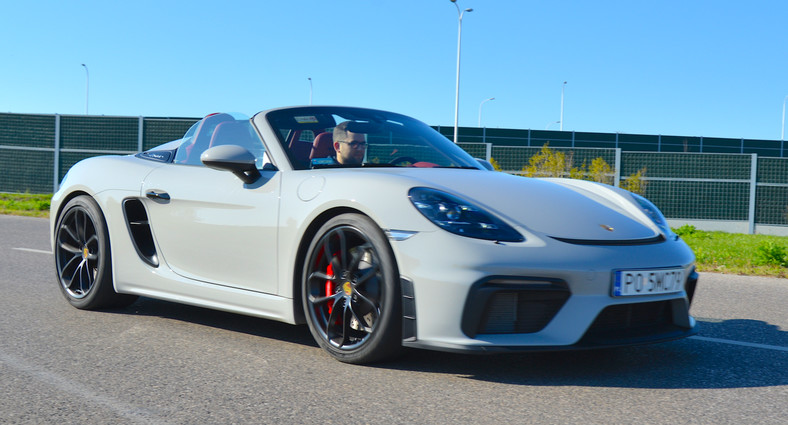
(326, 137)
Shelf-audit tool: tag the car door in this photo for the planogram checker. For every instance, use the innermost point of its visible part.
(211, 227)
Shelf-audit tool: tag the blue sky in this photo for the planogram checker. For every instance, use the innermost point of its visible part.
(688, 67)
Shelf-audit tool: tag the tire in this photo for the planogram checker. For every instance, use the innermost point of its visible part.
(351, 292)
(82, 257)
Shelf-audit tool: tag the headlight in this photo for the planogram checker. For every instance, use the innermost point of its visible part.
(655, 215)
(461, 217)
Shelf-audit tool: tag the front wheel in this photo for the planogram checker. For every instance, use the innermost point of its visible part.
(82, 257)
(351, 292)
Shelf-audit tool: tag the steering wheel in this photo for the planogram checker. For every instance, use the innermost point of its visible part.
(403, 159)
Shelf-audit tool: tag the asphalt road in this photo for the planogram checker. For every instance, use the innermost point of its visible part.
(158, 362)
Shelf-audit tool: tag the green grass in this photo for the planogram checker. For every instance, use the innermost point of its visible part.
(25, 204)
(758, 255)
(736, 253)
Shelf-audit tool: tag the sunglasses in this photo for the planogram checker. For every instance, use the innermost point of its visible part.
(355, 144)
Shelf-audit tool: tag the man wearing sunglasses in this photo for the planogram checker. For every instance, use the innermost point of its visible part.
(350, 147)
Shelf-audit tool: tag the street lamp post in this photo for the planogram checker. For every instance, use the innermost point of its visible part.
(782, 134)
(87, 87)
(561, 128)
(480, 109)
(457, 89)
(310, 89)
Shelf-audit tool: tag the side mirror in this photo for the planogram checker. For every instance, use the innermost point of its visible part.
(486, 164)
(232, 158)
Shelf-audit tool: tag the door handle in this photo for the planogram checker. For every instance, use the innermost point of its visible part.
(163, 196)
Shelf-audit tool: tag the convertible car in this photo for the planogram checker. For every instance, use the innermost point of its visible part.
(377, 232)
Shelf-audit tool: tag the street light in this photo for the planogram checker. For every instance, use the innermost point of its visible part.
(562, 107)
(87, 87)
(782, 134)
(457, 89)
(480, 109)
(310, 89)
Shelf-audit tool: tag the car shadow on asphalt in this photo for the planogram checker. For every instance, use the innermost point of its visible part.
(689, 363)
(297, 334)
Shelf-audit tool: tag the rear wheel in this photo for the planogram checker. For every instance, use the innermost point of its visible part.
(351, 293)
(82, 257)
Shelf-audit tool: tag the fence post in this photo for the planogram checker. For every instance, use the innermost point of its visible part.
(753, 189)
(56, 161)
(617, 173)
(488, 152)
(140, 133)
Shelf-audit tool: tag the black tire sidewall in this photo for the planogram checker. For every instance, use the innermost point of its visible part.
(385, 342)
(102, 294)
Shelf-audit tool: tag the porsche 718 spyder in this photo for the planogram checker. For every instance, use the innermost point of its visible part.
(376, 231)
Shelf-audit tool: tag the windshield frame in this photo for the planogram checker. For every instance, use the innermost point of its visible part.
(393, 140)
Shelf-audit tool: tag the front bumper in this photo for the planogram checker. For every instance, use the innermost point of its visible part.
(480, 296)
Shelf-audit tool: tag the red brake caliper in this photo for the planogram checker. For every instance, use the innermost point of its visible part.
(329, 286)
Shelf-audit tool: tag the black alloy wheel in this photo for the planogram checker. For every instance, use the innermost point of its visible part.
(82, 257)
(351, 291)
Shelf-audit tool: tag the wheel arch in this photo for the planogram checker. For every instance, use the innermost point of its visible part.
(62, 204)
(69, 197)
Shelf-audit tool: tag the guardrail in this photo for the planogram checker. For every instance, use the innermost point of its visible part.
(742, 193)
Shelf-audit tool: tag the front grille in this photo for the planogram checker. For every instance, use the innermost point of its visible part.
(627, 316)
(507, 306)
(614, 242)
(628, 323)
(520, 312)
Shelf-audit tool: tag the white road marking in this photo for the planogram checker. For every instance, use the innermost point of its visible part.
(39, 251)
(744, 344)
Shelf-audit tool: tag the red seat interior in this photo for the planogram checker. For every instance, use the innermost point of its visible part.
(323, 146)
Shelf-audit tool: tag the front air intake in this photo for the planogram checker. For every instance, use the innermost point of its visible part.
(513, 306)
(627, 324)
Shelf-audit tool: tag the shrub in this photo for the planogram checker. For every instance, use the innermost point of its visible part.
(495, 164)
(685, 230)
(635, 182)
(772, 253)
(549, 163)
(600, 171)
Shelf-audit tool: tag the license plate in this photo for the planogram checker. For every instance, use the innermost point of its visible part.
(629, 283)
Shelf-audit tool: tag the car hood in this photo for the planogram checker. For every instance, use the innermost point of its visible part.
(570, 210)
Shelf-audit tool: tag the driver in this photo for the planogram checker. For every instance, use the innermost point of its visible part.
(350, 147)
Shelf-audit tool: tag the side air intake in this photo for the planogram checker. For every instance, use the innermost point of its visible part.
(139, 229)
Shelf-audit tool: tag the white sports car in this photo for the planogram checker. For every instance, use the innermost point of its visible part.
(377, 232)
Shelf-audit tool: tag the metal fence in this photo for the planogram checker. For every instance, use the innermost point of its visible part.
(37, 150)
(623, 141)
(741, 182)
(743, 190)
